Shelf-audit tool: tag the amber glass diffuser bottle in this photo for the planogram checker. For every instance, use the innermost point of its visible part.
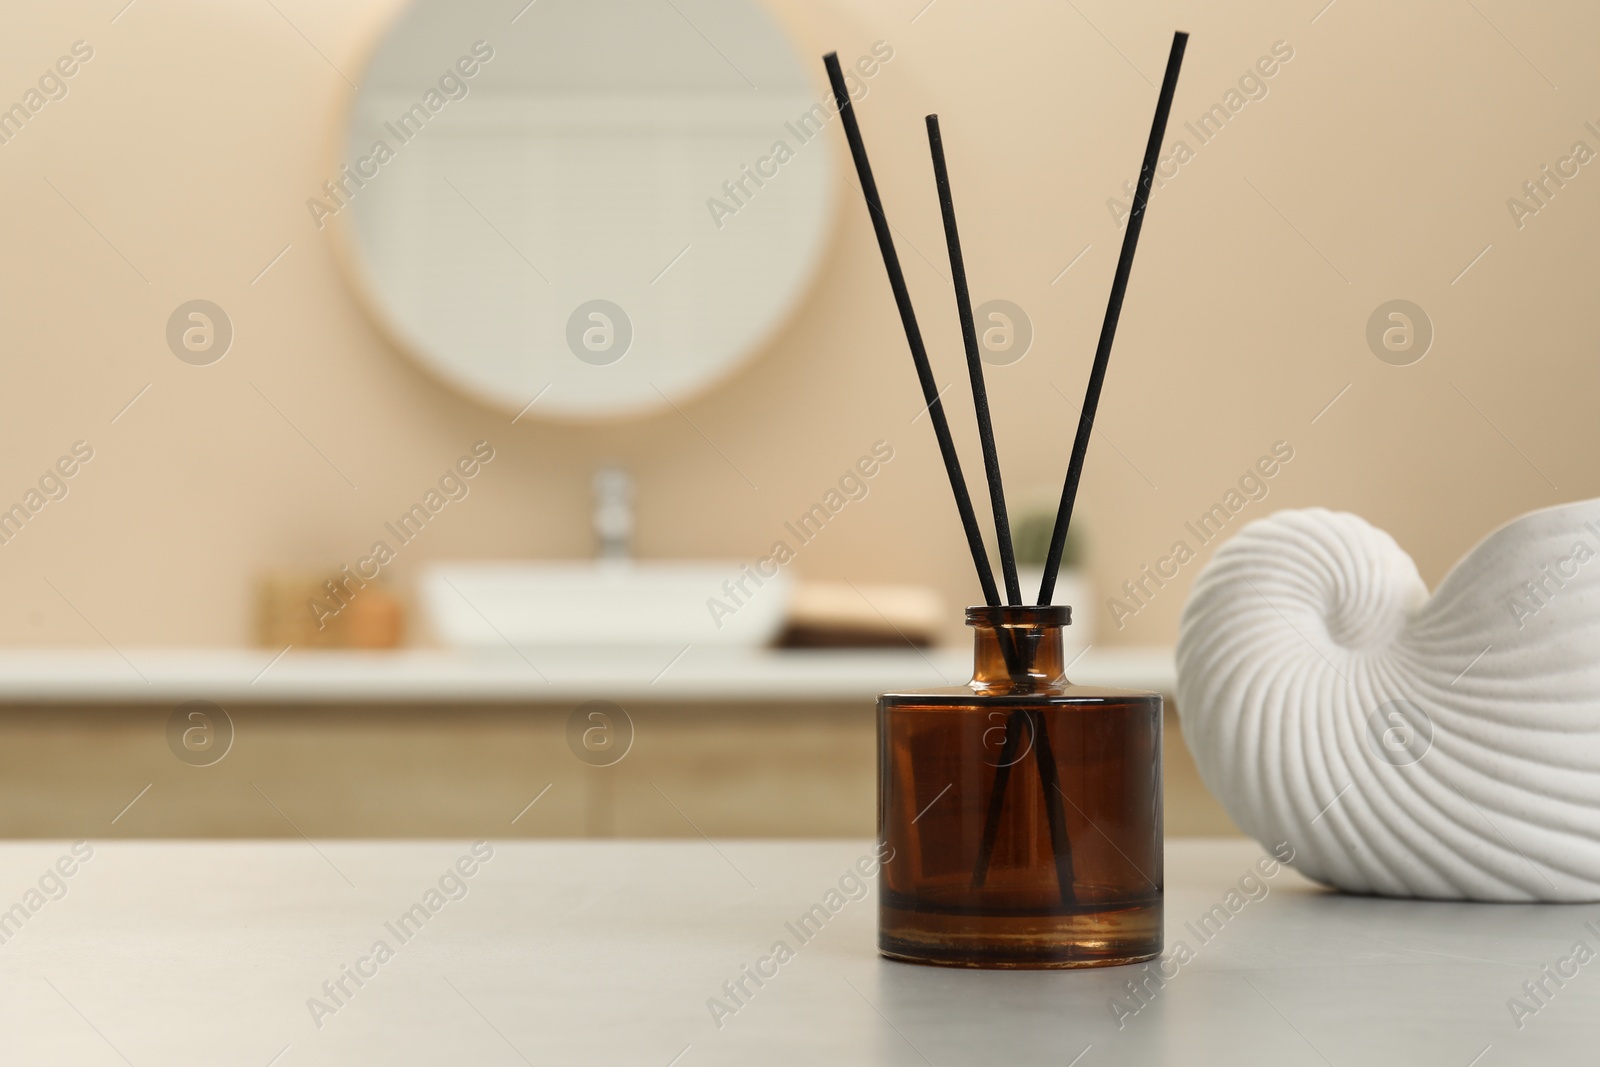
(1024, 811)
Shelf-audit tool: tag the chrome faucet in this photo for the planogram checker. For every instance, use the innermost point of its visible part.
(613, 512)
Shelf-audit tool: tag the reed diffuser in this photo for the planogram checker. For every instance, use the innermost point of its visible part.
(1023, 812)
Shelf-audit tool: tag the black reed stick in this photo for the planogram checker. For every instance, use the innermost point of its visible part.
(997, 797)
(1108, 330)
(1055, 814)
(1049, 783)
(908, 319)
(980, 394)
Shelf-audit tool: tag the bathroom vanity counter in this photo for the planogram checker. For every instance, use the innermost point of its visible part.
(422, 743)
(538, 675)
(625, 952)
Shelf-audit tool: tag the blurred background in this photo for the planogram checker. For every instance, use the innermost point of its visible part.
(580, 347)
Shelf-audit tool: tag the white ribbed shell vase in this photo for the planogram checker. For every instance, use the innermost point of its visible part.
(1443, 746)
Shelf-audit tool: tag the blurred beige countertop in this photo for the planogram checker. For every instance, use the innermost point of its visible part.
(134, 675)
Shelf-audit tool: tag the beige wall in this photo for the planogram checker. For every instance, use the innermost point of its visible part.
(1389, 144)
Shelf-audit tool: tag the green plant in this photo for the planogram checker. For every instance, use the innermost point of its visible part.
(1030, 535)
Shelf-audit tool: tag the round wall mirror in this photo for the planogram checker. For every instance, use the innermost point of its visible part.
(597, 207)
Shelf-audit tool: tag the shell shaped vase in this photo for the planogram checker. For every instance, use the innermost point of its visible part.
(1408, 745)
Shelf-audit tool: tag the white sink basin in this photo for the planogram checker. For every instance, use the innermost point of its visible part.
(601, 604)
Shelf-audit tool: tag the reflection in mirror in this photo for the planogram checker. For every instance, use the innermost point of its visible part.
(601, 204)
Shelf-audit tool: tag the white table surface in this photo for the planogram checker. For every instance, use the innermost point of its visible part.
(135, 675)
(605, 953)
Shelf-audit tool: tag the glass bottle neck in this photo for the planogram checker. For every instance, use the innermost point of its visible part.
(1018, 649)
